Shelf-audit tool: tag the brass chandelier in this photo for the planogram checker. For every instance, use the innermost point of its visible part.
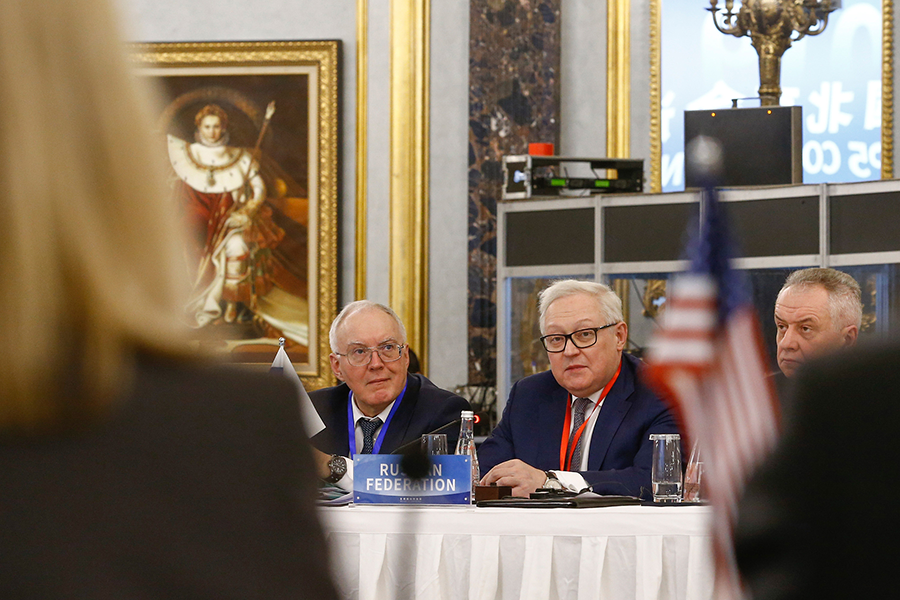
(773, 25)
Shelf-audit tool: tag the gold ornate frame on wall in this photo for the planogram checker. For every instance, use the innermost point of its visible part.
(655, 98)
(304, 77)
(618, 79)
(409, 163)
(887, 92)
(362, 146)
(410, 149)
(887, 89)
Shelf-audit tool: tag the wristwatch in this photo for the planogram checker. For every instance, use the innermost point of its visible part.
(552, 483)
(338, 466)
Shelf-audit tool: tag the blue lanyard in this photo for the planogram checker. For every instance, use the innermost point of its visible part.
(351, 425)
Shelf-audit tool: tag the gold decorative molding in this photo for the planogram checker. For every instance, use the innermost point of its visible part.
(203, 54)
(410, 85)
(362, 144)
(618, 79)
(655, 98)
(887, 89)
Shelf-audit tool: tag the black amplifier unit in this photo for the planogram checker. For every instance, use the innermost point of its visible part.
(526, 175)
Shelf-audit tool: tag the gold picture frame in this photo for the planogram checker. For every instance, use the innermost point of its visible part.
(250, 130)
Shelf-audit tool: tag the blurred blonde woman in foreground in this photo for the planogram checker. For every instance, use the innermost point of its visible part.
(127, 469)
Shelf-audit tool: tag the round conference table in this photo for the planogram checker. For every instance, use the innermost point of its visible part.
(382, 552)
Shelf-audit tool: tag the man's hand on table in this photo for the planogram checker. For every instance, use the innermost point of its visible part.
(522, 477)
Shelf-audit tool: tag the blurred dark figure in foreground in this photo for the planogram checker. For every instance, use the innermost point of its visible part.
(127, 469)
(818, 520)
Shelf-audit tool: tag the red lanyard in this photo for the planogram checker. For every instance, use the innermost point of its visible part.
(565, 459)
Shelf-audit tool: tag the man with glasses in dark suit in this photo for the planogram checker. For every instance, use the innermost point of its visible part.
(586, 422)
(380, 406)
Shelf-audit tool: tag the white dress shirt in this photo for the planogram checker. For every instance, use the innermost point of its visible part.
(346, 482)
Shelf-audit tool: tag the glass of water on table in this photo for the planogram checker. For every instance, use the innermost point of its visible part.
(665, 473)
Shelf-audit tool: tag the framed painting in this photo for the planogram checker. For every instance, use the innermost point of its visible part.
(249, 134)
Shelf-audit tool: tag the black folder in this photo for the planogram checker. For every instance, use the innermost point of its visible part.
(580, 501)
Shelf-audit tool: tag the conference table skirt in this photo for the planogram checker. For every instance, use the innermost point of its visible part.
(464, 553)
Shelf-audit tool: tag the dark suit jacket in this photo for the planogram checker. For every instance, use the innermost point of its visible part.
(199, 485)
(621, 450)
(425, 407)
(782, 386)
(818, 520)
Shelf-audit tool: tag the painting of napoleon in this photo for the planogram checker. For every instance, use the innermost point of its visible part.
(239, 155)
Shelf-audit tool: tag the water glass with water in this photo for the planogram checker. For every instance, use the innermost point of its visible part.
(665, 473)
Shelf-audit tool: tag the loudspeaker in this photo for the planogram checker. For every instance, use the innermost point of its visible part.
(762, 146)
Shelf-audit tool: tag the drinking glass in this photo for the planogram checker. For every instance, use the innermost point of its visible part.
(665, 473)
(434, 443)
(694, 482)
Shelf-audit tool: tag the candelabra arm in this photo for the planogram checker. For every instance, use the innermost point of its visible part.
(814, 19)
(822, 24)
(732, 28)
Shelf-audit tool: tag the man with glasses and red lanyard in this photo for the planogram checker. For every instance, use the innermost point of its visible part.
(587, 422)
(379, 406)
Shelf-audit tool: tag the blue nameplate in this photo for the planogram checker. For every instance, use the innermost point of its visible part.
(378, 479)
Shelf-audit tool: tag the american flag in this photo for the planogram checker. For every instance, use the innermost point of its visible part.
(709, 359)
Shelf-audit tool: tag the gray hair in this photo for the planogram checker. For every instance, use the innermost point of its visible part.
(609, 303)
(844, 295)
(359, 306)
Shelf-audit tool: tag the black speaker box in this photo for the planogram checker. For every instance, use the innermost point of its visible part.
(762, 146)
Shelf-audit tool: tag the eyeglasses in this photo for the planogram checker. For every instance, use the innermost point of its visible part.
(583, 338)
(359, 356)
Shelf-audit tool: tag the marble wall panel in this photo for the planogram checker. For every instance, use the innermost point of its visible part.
(514, 99)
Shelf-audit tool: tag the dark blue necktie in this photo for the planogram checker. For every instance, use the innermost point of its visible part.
(368, 427)
(580, 408)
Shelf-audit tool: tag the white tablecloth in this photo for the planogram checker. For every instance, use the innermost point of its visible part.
(464, 553)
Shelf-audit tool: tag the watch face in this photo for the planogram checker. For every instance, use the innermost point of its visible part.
(338, 466)
(552, 484)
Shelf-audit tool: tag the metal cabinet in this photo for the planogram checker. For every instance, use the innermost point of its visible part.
(635, 242)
